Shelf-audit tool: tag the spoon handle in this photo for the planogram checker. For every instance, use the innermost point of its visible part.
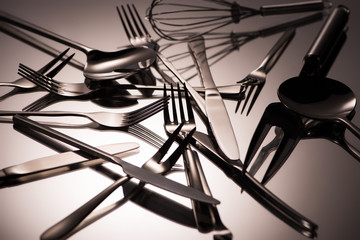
(325, 41)
(6, 17)
(351, 126)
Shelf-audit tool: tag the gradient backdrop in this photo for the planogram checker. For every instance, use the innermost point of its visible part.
(319, 180)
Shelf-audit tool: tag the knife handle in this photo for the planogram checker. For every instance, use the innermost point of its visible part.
(326, 39)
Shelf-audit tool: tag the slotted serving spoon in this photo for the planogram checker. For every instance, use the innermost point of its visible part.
(99, 65)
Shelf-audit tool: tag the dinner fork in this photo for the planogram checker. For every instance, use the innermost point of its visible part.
(206, 216)
(141, 36)
(63, 227)
(82, 90)
(109, 119)
(256, 79)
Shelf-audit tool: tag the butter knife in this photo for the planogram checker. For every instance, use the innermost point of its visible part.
(216, 111)
(59, 163)
(130, 169)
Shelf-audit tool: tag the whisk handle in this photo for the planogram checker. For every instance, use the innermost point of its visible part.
(287, 8)
(291, 24)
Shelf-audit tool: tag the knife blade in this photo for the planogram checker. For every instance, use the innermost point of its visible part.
(60, 163)
(130, 169)
(216, 112)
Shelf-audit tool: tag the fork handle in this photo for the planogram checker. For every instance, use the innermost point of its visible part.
(287, 8)
(277, 50)
(42, 113)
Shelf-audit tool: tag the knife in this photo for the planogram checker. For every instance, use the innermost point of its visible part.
(60, 163)
(130, 169)
(216, 111)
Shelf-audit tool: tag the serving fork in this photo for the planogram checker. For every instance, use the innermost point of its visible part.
(206, 216)
(256, 79)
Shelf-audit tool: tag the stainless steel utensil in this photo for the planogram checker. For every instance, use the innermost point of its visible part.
(206, 216)
(139, 173)
(153, 164)
(215, 108)
(100, 65)
(49, 166)
(177, 21)
(113, 92)
(219, 45)
(109, 119)
(256, 79)
(150, 200)
(316, 64)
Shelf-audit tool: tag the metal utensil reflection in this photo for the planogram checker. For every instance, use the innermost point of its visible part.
(145, 198)
(100, 65)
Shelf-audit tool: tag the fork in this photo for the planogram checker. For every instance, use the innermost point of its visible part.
(82, 91)
(140, 37)
(109, 119)
(63, 227)
(256, 79)
(25, 84)
(206, 216)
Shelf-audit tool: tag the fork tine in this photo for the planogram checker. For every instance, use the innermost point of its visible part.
(140, 21)
(166, 109)
(248, 96)
(175, 119)
(34, 74)
(149, 106)
(146, 115)
(123, 23)
(38, 79)
(259, 135)
(22, 72)
(165, 147)
(128, 22)
(180, 149)
(146, 109)
(182, 115)
(60, 66)
(53, 62)
(255, 96)
(286, 146)
(134, 21)
(242, 90)
(191, 117)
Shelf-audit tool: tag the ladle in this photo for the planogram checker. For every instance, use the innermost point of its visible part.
(99, 65)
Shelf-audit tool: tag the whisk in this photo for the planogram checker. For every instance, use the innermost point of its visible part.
(175, 20)
(220, 45)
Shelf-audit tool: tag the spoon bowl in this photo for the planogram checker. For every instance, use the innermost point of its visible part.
(324, 99)
(100, 65)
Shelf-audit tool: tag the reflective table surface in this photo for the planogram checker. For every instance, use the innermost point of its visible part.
(319, 180)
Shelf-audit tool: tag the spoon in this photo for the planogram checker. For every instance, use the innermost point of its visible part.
(313, 95)
(324, 99)
(99, 65)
